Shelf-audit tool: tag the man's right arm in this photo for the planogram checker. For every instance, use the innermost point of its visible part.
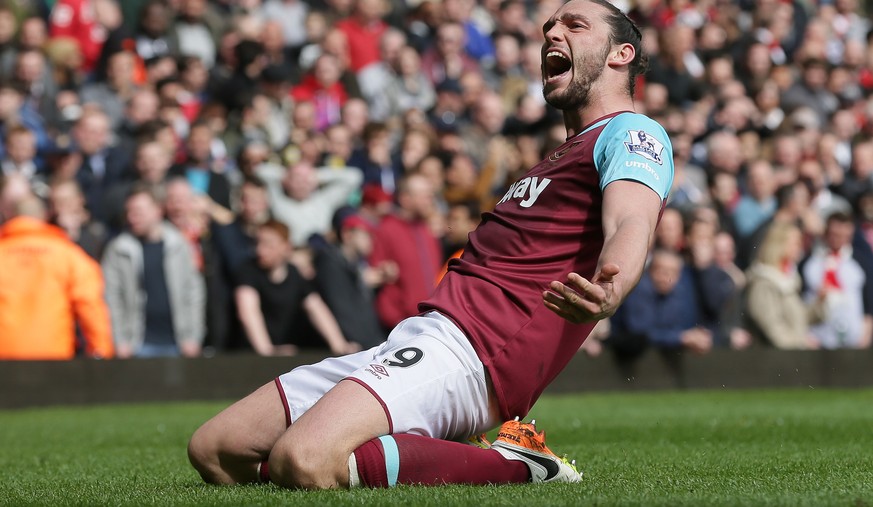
(248, 303)
(89, 306)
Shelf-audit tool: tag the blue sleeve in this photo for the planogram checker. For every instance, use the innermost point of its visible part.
(635, 147)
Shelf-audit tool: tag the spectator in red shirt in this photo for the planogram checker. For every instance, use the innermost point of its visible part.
(364, 29)
(405, 238)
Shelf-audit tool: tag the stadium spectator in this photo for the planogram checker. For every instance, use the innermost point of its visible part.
(758, 203)
(405, 238)
(292, 15)
(411, 89)
(15, 112)
(102, 163)
(840, 274)
(718, 289)
(777, 314)
(670, 234)
(375, 159)
(113, 94)
(67, 211)
(156, 295)
(85, 21)
(203, 170)
(20, 158)
(811, 91)
(661, 312)
(447, 59)
(375, 78)
(363, 29)
(48, 285)
(477, 43)
(196, 28)
(271, 295)
(305, 198)
(151, 35)
(461, 219)
(347, 283)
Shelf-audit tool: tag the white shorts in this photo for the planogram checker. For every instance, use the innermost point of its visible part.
(426, 375)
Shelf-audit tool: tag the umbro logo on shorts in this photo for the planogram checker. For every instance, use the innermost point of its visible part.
(377, 370)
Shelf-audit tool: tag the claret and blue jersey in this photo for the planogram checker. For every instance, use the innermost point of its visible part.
(547, 225)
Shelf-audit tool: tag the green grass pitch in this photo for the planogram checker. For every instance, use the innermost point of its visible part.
(788, 447)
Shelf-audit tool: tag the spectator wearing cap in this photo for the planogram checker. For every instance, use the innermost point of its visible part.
(376, 203)
(347, 283)
(448, 112)
(271, 297)
(47, 286)
(406, 238)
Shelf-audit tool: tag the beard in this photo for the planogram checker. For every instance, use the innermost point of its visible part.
(586, 71)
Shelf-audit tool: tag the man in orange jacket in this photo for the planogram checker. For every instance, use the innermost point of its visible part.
(47, 284)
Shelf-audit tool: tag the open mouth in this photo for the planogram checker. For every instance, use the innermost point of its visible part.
(556, 65)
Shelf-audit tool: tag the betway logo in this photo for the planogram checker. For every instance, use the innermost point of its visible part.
(642, 165)
(529, 188)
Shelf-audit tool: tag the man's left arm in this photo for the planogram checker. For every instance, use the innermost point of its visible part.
(628, 231)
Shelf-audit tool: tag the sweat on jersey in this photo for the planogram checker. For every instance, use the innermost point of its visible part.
(548, 224)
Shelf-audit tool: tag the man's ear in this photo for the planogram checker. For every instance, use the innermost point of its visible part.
(622, 55)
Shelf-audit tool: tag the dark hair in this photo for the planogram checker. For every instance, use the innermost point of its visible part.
(156, 193)
(840, 216)
(623, 30)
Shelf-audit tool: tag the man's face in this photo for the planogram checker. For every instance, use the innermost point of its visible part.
(838, 234)
(143, 214)
(253, 203)
(665, 270)
(271, 249)
(574, 53)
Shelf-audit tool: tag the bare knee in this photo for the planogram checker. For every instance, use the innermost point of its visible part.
(203, 452)
(295, 465)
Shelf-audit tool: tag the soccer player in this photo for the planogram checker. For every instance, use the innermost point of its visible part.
(559, 252)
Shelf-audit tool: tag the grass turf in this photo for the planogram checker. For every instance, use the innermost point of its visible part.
(788, 447)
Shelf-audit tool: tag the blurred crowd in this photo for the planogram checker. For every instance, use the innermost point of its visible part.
(191, 177)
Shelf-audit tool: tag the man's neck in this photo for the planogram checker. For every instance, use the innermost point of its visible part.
(576, 120)
(278, 273)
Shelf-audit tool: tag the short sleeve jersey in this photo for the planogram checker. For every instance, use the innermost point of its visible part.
(548, 224)
(281, 303)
